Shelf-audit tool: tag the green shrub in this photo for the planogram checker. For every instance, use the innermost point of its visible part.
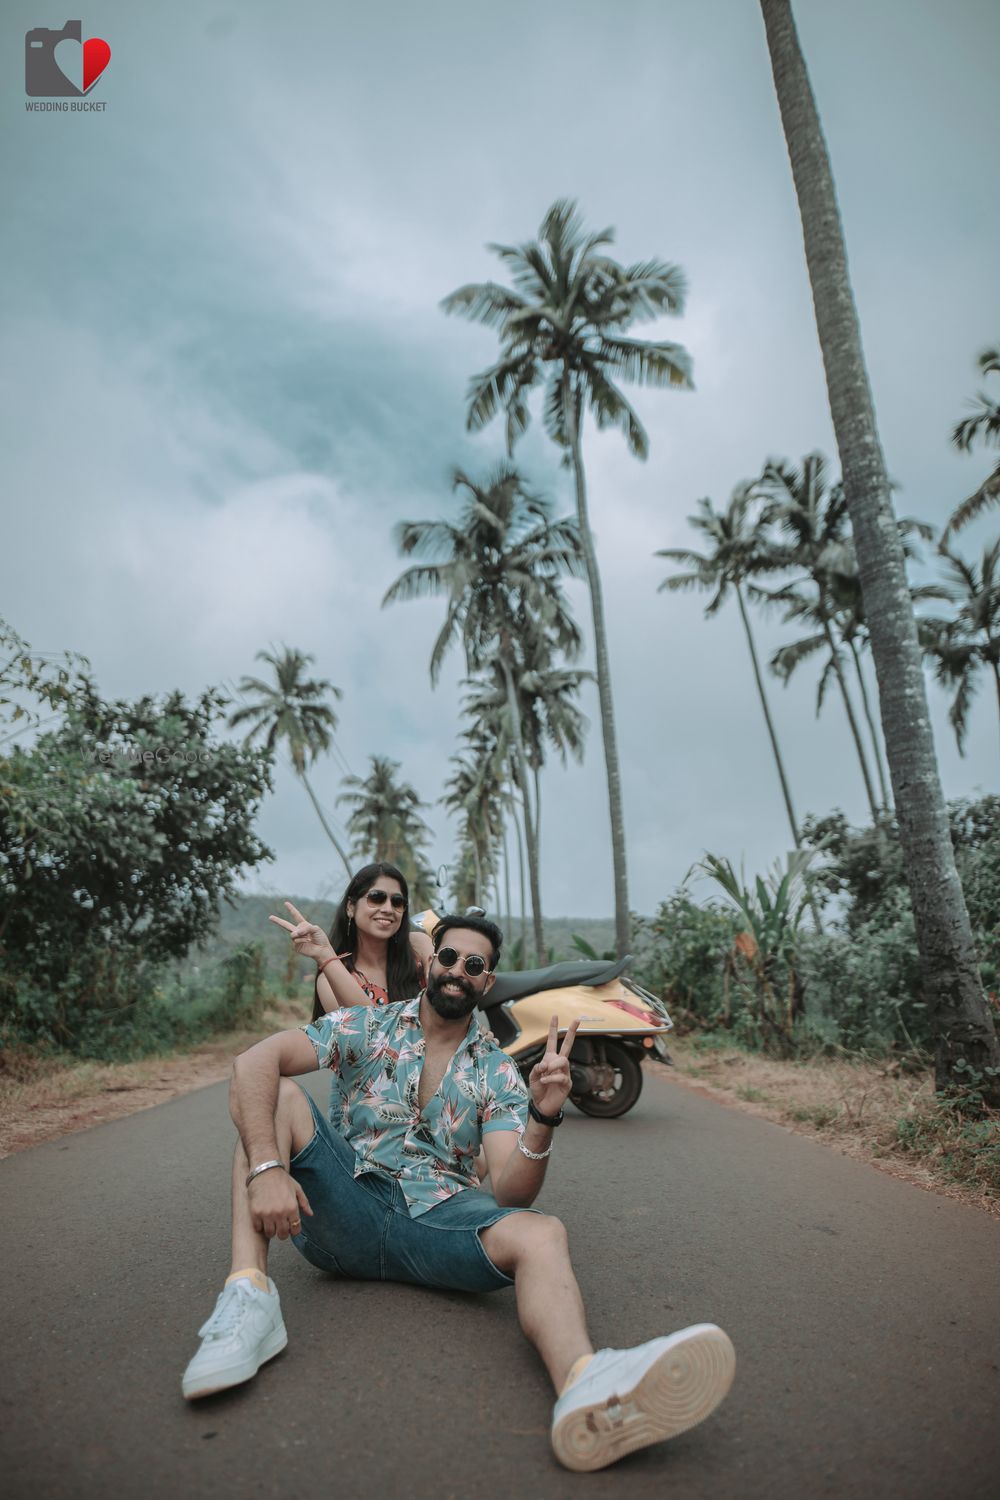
(680, 953)
(865, 982)
(115, 1009)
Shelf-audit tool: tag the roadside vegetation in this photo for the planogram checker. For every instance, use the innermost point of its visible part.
(824, 1025)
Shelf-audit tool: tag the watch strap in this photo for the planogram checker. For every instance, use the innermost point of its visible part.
(551, 1120)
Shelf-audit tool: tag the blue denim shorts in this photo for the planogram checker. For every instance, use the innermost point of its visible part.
(361, 1226)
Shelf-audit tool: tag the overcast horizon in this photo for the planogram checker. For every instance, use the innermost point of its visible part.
(229, 376)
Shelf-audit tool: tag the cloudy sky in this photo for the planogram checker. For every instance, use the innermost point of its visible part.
(227, 374)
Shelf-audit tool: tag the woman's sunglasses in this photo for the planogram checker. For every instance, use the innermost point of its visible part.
(379, 898)
(474, 964)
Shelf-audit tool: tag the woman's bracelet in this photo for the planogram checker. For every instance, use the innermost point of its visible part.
(326, 965)
(533, 1155)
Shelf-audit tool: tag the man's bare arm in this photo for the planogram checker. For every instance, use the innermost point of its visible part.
(516, 1179)
(253, 1091)
(517, 1172)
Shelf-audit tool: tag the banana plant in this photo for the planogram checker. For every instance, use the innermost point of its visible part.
(772, 907)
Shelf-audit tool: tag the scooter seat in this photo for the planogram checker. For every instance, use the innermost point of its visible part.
(557, 977)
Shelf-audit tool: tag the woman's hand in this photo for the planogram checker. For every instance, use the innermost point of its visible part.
(549, 1080)
(308, 939)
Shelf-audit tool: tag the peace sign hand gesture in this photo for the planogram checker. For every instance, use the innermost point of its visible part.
(549, 1080)
(308, 939)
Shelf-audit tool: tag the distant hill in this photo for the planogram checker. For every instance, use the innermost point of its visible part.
(246, 922)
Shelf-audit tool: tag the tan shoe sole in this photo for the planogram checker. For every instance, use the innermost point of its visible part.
(680, 1389)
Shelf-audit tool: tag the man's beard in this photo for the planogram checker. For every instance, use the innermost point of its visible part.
(452, 1007)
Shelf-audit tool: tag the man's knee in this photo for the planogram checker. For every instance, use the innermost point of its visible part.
(293, 1110)
(518, 1236)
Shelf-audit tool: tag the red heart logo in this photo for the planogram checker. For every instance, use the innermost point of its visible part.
(96, 56)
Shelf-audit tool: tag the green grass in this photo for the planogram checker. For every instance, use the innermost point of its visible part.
(752, 1095)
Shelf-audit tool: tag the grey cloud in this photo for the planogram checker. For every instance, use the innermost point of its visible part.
(231, 377)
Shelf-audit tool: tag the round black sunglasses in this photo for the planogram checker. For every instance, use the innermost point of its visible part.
(474, 964)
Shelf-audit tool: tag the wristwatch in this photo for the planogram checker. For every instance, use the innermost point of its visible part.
(551, 1120)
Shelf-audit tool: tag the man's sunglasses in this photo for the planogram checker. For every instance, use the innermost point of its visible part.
(474, 964)
(379, 898)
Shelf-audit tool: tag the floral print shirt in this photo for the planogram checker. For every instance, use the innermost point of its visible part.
(375, 1054)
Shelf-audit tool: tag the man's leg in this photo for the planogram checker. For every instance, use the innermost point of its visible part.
(246, 1328)
(534, 1249)
(293, 1129)
(617, 1400)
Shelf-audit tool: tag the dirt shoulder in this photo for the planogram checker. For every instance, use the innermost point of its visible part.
(51, 1100)
(866, 1109)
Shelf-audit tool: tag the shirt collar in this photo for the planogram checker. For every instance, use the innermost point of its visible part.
(411, 1013)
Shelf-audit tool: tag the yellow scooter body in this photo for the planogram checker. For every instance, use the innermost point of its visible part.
(586, 1003)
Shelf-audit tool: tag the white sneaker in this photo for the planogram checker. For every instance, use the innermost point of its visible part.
(244, 1331)
(628, 1398)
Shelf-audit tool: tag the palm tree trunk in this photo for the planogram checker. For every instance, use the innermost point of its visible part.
(326, 827)
(996, 679)
(477, 865)
(520, 867)
(859, 743)
(506, 870)
(965, 1034)
(529, 825)
(785, 792)
(873, 732)
(604, 694)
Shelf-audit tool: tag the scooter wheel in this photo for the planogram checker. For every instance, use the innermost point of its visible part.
(610, 1103)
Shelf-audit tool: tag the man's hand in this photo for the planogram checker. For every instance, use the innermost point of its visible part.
(549, 1080)
(275, 1201)
(308, 939)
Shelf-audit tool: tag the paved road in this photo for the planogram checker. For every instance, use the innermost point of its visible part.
(865, 1314)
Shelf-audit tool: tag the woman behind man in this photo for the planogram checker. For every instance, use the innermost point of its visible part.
(374, 949)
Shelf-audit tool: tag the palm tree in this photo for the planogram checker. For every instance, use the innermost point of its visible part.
(738, 550)
(563, 322)
(545, 696)
(484, 792)
(499, 567)
(385, 821)
(971, 640)
(474, 792)
(983, 427)
(843, 611)
(965, 1035)
(845, 591)
(293, 710)
(814, 519)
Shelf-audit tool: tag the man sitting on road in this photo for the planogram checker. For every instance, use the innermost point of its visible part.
(421, 1089)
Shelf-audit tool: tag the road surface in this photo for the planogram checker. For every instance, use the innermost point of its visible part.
(865, 1314)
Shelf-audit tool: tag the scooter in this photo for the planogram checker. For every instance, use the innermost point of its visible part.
(620, 1023)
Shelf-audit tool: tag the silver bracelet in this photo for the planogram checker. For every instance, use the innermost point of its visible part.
(533, 1155)
(265, 1166)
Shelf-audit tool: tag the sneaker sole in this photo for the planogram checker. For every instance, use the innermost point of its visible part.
(681, 1388)
(222, 1380)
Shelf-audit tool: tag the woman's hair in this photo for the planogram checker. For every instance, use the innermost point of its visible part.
(402, 977)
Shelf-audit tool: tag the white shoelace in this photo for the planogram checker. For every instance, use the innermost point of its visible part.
(229, 1312)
